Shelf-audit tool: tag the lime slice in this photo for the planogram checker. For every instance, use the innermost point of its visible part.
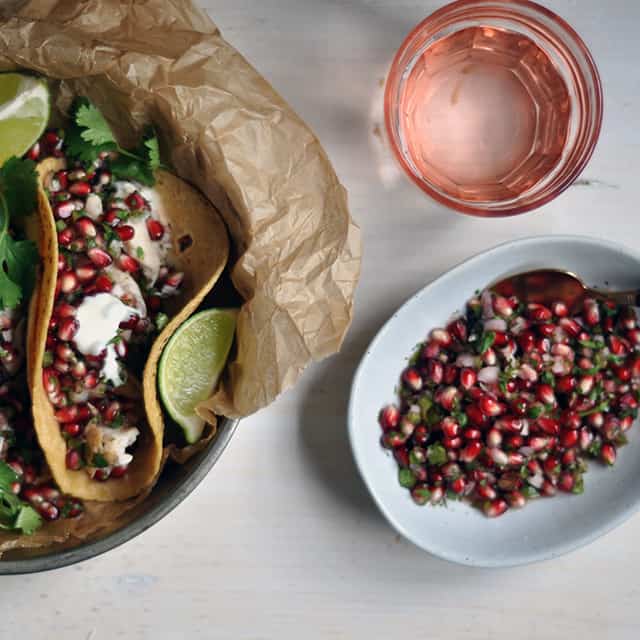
(191, 365)
(24, 113)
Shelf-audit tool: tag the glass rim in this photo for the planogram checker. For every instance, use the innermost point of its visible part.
(590, 75)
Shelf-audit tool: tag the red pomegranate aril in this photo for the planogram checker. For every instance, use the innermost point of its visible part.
(515, 499)
(513, 441)
(86, 227)
(527, 341)
(435, 371)
(446, 397)
(66, 236)
(64, 352)
(50, 381)
(431, 350)
(135, 201)
(80, 188)
(155, 229)
(538, 312)
(545, 394)
(559, 309)
(402, 457)
(595, 420)
(543, 345)
(623, 373)
(486, 492)
(500, 339)
(566, 481)
(125, 232)
(628, 400)
(616, 346)
(548, 489)
(546, 330)
(548, 426)
(102, 475)
(585, 384)
(634, 336)
(72, 429)
(421, 435)
(450, 374)
(406, 427)
(569, 457)
(565, 384)
(457, 329)
(591, 312)
(498, 456)
(99, 257)
(67, 414)
(489, 357)
(112, 411)
(502, 306)
(128, 264)
(452, 443)
(73, 460)
(119, 471)
(86, 272)
(393, 439)
(441, 337)
(472, 434)
(491, 407)
(570, 326)
(458, 485)
(476, 417)
(569, 438)
(608, 454)
(538, 443)
(509, 424)
(625, 423)
(103, 284)
(174, 280)
(412, 379)
(67, 329)
(450, 427)
(34, 152)
(494, 508)
(470, 452)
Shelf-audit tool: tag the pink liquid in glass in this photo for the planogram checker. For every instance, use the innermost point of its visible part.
(484, 114)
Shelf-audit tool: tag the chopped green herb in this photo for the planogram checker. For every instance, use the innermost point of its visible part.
(578, 486)
(535, 411)
(406, 478)
(99, 461)
(61, 225)
(140, 253)
(162, 319)
(47, 359)
(437, 454)
(486, 341)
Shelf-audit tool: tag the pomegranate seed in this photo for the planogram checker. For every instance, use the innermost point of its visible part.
(470, 452)
(546, 330)
(135, 201)
(446, 397)
(627, 400)
(457, 329)
(625, 423)
(623, 373)
(509, 424)
(608, 454)
(437, 494)
(494, 508)
(406, 427)
(569, 457)
(125, 232)
(595, 420)
(491, 407)
(50, 381)
(545, 394)
(565, 384)
(634, 336)
(515, 499)
(412, 379)
(570, 326)
(498, 456)
(543, 345)
(99, 257)
(64, 210)
(527, 341)
(65, 237)
(489, 357)
(458, 485)
(73, 460)
(80, 188)
(486, 492)
(475, 416)
(616, 346)
(86, 272)
(538, 312)
(431, 350)
(559, 309)
(392, 439)
(155, 229)
(441, 337)
(538, 443)
(569, 438)
(435, 371)
(174, 280)
(103, 284)
(112, 411)
(420, 435)
(566, 481)
(402, 457)
(472, 434)
(128, 264)
(34, 152)
(570, 419)
(101, 474)
(72, 429)
(86, 227)
(67, 329)
(452, 443)
(502, 306)
(119, 471)
(591, 312)
(514, 441)
(450, 374)
(450, 427)
(548, 489)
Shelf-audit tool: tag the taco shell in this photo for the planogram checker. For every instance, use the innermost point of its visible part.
(200, 249)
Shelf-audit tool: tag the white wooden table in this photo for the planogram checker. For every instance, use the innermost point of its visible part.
(282, 540)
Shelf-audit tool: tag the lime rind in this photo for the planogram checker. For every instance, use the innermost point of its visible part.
(191, 364)
(24, 113)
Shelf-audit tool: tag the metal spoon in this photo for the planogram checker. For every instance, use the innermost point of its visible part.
(545, 286)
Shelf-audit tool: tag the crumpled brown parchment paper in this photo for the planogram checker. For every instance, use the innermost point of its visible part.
(223, 128)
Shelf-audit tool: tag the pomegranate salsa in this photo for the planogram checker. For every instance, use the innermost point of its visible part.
(113, 278)
(509, 401)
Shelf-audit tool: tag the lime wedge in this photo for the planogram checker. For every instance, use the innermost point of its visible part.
(24, 113)
(191, 365)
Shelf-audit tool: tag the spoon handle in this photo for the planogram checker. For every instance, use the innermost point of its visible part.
(630, 298)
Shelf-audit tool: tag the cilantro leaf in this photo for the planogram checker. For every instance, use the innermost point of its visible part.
(152, 149)
(78, 149)
(28, 520)
(99, 461)
(96, 129)
(7, 476)
(19, 184)
(127, 168)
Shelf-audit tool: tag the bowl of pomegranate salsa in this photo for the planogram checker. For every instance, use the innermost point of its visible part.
(106, 255)
(515, 420)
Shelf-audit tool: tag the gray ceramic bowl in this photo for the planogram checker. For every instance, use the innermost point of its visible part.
(176, 483)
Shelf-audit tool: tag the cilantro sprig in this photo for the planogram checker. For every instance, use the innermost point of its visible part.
(18, 258)
(15, 515)
(90, 135)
